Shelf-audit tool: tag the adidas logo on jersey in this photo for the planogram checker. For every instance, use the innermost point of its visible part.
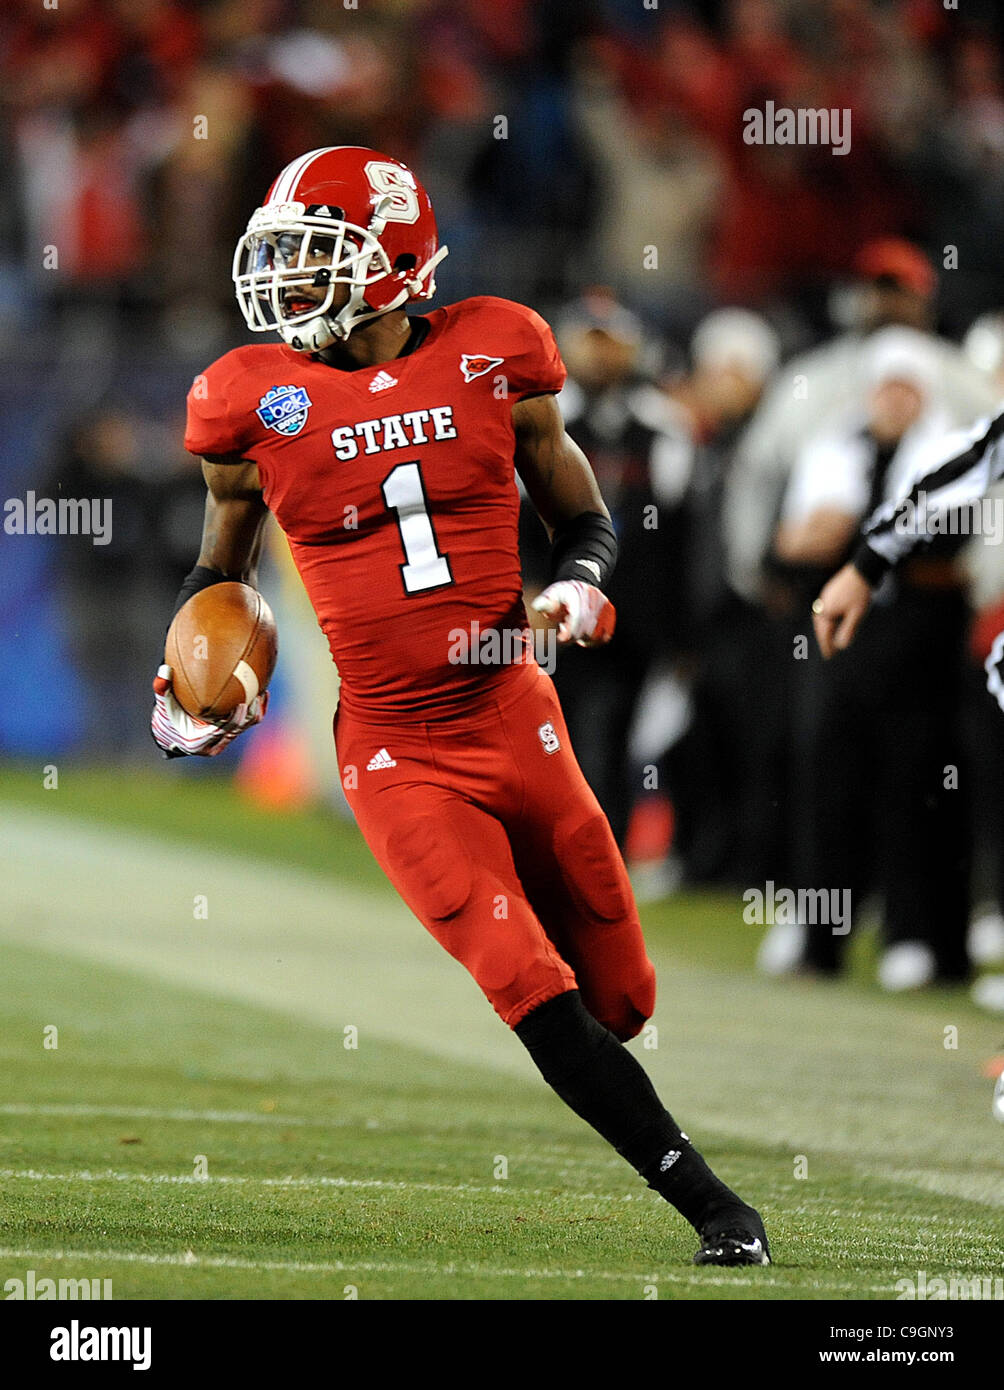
(379, 761)
(383, 381)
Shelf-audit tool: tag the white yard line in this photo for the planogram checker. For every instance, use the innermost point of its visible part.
(977, 1187)
(320, 1181)
(559, 1154)
(190, 1260)
(876, 1221)
(139, 1112)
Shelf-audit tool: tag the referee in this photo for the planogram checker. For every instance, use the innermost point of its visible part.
(873, 732)
(969, 465)
(971, 462)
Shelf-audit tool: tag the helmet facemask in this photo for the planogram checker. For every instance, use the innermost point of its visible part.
(267, 272)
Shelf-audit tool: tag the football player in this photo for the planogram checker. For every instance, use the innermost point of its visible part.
(385, 447)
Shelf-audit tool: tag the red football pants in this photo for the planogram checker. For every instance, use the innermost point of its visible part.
(488, 830)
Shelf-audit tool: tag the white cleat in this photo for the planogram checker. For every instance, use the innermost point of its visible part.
(907, 965)
(998, 1100)
(988, 993)
(985, 940)
(734, 1238)
(782, 949)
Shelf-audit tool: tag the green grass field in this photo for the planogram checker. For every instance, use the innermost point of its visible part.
(202, 961)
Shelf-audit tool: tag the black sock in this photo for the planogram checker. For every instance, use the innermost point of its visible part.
(596, 1076)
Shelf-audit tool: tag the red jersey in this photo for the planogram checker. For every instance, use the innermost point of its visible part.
(395, 486)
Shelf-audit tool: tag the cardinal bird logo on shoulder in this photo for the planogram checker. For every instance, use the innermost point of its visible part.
(474, 364)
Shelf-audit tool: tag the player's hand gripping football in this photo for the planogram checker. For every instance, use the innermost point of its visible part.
(583, 613)
(179, 733)
(839, 609)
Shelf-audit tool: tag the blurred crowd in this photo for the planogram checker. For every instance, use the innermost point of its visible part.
(568, 135)
(763, 342)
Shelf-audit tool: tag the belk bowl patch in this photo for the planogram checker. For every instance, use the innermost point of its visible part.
(284, 408)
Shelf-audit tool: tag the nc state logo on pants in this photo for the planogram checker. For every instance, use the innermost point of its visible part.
(548, 738)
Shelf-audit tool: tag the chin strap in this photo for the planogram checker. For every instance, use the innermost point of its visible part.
(415, 286)
(340, 325)
(313, 335)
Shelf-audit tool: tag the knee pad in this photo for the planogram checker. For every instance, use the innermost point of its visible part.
(459, 904)
(618, 981)
(430, 862)
(627, 1016)
(594, 872)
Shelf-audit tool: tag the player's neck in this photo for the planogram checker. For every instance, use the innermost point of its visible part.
(380, 340)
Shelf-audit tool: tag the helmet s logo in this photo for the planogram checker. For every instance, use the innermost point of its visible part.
(476, 364)
(393, 180)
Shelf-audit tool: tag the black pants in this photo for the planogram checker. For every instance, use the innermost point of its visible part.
(881, 800)
(599, 691)
(729, 772)
(984, 744)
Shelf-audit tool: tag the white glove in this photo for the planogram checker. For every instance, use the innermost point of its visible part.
(583, 613)
(994, 667)
(178, 733)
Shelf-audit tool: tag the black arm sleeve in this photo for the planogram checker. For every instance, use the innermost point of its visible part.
(870, 564)
(199, 578)
(584, 548)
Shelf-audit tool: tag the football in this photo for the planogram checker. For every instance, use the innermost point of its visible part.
(222, 648)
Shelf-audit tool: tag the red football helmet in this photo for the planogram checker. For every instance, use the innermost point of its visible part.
(342, 215)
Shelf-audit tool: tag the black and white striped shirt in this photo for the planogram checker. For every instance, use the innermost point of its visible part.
(970, 463)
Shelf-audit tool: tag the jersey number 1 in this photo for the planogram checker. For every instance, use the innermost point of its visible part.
(404, 493)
